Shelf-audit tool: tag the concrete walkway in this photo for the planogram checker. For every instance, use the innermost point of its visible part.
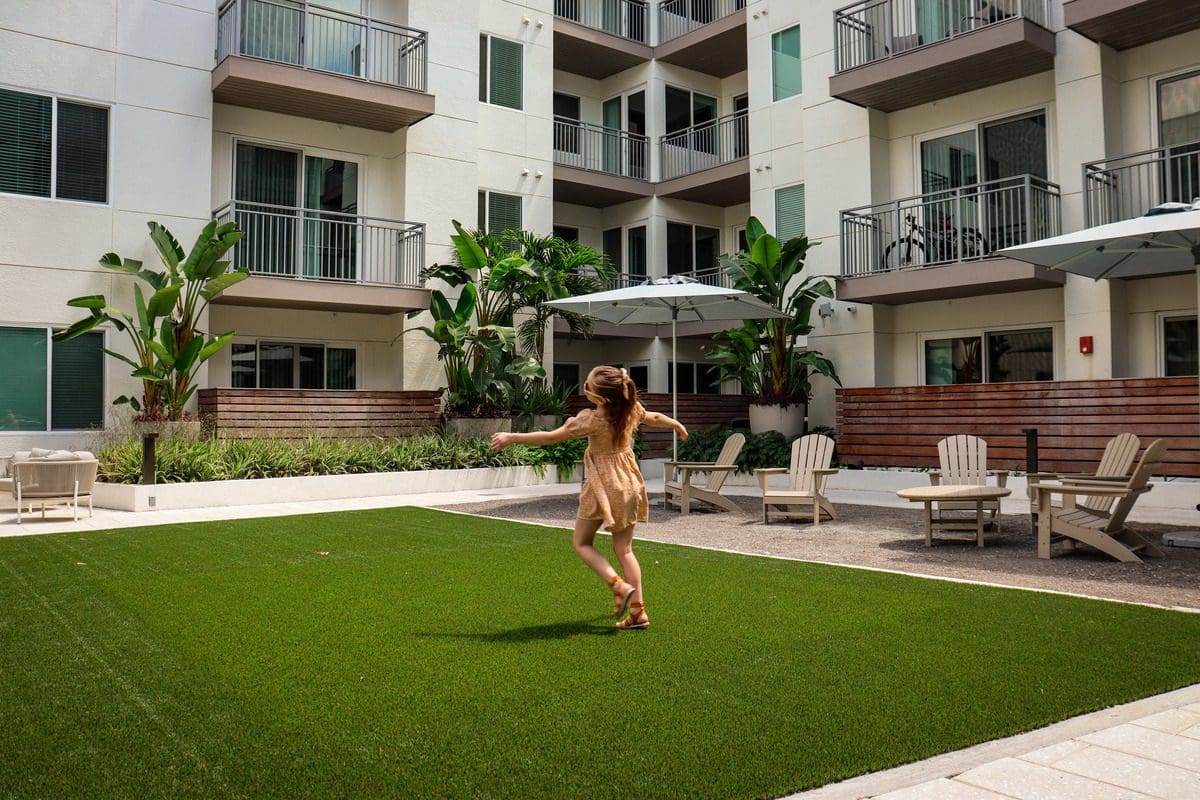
(1146, 749)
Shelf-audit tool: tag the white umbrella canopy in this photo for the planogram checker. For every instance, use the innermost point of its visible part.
(1165, 241)
(674, 299)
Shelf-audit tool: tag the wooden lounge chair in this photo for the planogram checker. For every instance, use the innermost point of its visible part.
(680, 490)
(1101, 530)
(1114, 467)
(963, 461)
(54, 483)
(805, 494)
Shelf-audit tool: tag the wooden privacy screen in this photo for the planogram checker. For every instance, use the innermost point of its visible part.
(328, 414)
(899, 426)
(696, 411)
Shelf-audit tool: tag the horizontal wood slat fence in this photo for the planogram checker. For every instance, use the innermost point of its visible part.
(899, 426)
(696, 411)
(322, 413)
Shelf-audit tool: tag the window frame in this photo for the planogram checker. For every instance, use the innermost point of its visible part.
(108, 166)
(1056, 345)
(258, 342)
(693, 225)
(1161, 319)
(804, 218)
(800, 59)
(486, 194)
(696, 367)
(486, 79)
(49, 329)
(976, 128)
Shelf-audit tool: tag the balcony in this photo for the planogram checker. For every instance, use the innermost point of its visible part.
(1130, 185)
(939, 245)
(888, 56)
(707, 163)
(707, 36)
(325, 260)
(598, 166)
(1122, 24)
(294, 57)
(599, 38)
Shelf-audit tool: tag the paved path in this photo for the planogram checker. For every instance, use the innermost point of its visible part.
(1146, 749)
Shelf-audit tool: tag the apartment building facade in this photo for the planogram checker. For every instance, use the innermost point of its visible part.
(910, 139)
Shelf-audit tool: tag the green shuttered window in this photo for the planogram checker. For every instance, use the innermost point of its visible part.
(785, 63)
(789, 212)
(76, 381)
(45, 141)
(500, 72)
(503, 212)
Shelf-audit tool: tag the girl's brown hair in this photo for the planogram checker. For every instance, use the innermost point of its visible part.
(615, 389)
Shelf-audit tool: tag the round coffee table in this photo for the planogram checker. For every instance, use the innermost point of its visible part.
(953, 493)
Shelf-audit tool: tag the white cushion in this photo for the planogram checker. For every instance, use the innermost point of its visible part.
(84, 455)
(39, 452)
(21, 455)
(62, 455)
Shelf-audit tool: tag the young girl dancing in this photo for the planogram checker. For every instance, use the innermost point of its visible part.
(614, 492)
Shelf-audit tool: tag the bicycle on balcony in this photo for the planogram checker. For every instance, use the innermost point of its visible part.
(934, 245)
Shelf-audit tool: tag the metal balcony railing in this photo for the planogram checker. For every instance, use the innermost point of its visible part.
(1130, 185)
(963, 224)
(677, 17)
(704, 146)
(315, 37)
(594, 147)
(872, 30)
(629, 19)
(285, 242)
(712, 277)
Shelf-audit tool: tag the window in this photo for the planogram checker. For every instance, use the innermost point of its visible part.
(691, 248)
(567, 234)
(640, 374)
(785, 63)
(499, 72)
(1180, 346)
(789, 212)
(50, 385)
(626, 250)
(1022, 355)
(566, 378)
(53, 148)
(1179, 134)
(695, 378)
(288, 365)
(499, 212)
(611, 246)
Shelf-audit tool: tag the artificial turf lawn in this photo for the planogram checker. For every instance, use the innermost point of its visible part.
(431, 654)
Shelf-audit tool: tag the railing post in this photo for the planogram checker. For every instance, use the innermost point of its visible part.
(366, 53)
(1087, 198)
(302, 29)
(891, 43)
(1028, 210)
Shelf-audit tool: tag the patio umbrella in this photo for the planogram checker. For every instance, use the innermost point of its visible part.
(673, 299)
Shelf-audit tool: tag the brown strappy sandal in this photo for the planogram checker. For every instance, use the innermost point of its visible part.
(622, 594)
(637, 619)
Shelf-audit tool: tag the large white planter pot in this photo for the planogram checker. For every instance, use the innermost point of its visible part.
(478, 427)
(788, 420)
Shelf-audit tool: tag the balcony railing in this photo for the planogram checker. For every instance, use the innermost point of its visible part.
(872, 30)
(629, 19)
(283, 242)
(703, 146)
(677, 17)
(594, 147)
(963, 224)
(1128, 186)
(314, 37)
(712, 277)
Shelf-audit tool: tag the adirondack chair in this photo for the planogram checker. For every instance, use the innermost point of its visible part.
(963, 461)
(679, 489)
(1114, 467)
(805, 494)
(1105, 532)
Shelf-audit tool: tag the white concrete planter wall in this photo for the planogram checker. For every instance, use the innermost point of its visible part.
(208, 494)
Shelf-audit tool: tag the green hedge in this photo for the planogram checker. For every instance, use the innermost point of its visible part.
(762, 450)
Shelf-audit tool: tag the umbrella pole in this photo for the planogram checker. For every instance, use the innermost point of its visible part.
(674, 388)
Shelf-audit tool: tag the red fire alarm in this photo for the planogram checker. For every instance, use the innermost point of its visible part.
(1085, 344)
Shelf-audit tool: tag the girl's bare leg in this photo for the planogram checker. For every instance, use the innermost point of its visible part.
(584, 540)
(623, 546)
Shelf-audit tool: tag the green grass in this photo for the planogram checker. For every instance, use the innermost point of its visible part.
(431, 654)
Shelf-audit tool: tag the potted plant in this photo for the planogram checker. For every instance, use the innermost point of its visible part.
(164, 331)
(764, 355)
(541, 406)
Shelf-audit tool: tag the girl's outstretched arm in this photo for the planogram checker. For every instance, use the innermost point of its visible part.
(503, 440)
(657, 420)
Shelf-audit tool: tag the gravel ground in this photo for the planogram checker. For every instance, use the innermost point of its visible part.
(893, 539)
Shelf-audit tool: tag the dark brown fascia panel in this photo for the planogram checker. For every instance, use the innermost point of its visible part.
(594, 54)
(286, 89)
(962, 279)
(718, 48)
(1122, 24)
(986, 57)
(725, 185)
(263, 292)
(610, 330)
(596, 189)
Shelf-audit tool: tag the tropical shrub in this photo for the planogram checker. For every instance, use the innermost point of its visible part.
(762, 450)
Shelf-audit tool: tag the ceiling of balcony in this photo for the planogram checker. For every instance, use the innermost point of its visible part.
(1122, 24)
(718, 48)
(264, 292)
(594, 54)
(960, 279)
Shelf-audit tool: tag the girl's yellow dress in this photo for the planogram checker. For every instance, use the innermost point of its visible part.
(613, 488)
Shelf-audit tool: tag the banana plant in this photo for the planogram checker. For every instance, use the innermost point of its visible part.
(167, 344)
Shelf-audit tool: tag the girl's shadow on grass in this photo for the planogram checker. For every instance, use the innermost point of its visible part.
(536, 633)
